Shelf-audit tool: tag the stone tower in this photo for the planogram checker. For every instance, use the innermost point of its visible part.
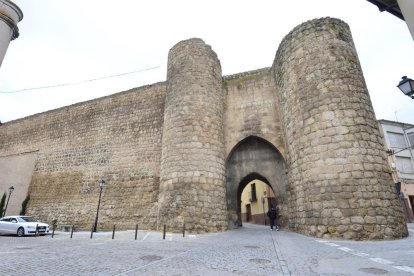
(10, 15)
(339, 180)
(192, 188)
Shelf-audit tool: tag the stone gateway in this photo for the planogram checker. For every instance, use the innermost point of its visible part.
(181, 151)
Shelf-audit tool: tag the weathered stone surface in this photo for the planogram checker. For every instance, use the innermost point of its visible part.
(193, 140)
(331, 134)
(116, 138)
(181, 150)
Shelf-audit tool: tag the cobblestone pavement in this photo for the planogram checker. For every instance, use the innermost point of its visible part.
(251, 250)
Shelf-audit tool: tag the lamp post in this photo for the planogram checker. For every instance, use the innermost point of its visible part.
(406, 85)
(11, 189)
(101, 186)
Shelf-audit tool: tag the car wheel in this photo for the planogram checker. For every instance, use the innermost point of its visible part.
(20, 232)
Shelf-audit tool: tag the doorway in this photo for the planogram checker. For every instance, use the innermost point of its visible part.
(252, 159)
(248, 213)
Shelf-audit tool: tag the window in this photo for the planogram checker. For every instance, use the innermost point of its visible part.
(396, 140)
(253, 193)
(28, 219)
(404, 164)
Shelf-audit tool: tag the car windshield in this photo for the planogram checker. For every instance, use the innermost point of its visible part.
(27, 219)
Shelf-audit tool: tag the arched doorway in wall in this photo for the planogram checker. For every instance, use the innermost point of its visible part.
(254, 158)
(256, 196)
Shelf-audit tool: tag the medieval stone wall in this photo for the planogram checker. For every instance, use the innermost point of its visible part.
(338, 174)
(252, 109)
(252, 113)
(182, 150)
(115, 138)
(255, 158)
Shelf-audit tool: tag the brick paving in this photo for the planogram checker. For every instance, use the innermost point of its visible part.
(251, 250)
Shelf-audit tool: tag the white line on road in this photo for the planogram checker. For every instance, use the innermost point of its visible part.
(360, 254)
(404, 268)
(346, 249)
(381, 261)
(377, 260)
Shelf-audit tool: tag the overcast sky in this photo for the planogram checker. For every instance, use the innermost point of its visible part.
(70, 41)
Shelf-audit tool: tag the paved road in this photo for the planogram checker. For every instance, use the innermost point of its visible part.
(251, 250)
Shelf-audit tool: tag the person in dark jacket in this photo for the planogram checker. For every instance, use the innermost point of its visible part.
(272, 214)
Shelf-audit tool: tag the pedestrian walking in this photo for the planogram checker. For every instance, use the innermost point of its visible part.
(272, 214)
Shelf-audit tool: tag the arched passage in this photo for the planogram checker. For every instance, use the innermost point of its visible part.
(254, 196)
(253, 158)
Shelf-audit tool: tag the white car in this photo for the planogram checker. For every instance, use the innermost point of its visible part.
(22, 225)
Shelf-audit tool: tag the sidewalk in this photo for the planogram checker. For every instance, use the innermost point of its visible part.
(250, 250)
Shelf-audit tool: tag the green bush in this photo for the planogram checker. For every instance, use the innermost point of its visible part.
(24, 205)
(3, 200)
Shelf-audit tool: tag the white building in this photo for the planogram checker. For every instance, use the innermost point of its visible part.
(399, 140)
(10, 15)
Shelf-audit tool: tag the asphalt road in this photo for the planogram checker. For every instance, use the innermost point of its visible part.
(251, 250)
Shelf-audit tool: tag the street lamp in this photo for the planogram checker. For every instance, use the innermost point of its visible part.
(101, 186)
(11, 189)
(406, 85)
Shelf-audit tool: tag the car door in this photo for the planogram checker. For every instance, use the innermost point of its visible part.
(4, 225)
(12, 226)
(1, 225)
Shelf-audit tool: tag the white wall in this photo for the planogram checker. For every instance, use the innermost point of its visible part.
(407, 9)
(16, 171)
(9, 14)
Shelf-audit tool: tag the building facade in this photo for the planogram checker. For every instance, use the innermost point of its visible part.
(182, 151)
(256, 199)
(10, 15)
(399, 140)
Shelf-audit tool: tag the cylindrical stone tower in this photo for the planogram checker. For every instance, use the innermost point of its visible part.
(192, 184)
(10, 15)
(339, 179)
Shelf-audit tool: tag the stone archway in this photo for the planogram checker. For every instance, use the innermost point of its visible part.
(253, 158)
